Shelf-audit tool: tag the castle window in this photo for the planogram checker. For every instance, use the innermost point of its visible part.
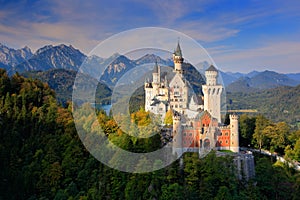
(226, 133)
(176, 106)
(190, 134)
(184, 134)
(232, 143)
(221, 142)
(226, 141)
(180, 106)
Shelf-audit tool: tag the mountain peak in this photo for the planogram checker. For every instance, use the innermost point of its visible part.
(11, 57)
(63, 46)
(150, 58)
(26, 48)
(53, 57)
(45, 48)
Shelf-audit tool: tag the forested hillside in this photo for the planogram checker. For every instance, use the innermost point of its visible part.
(42, 157)
(62, 81)
(279, 104)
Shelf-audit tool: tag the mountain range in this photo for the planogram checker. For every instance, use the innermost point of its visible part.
(9, 58)
(268, 92)
(255, 81)
(113, 68)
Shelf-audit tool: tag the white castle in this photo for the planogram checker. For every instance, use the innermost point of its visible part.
(196, 120)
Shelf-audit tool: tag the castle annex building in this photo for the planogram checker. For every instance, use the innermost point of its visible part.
(196, 121)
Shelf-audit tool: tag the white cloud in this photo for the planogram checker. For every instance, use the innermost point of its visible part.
(279, 56)
(85, 23)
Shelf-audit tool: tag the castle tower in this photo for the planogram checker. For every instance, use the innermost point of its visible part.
(156, 74)
(166, 82)
(177, 134)
(234, 133)
(148, 95)
(152, 89)
(212, 93)
(178, 60)
(156, 79)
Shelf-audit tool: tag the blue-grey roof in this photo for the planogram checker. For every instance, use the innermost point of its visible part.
(212, 68)
(178, 51)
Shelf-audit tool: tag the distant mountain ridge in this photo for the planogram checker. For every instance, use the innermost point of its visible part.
(111, 69)
(261, 80)
(53, 57)
(10, 57)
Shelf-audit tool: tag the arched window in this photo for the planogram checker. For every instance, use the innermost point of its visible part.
(206, 144)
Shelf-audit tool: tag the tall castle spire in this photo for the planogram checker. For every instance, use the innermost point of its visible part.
(178, 59)
(178, 50)
(156, 73)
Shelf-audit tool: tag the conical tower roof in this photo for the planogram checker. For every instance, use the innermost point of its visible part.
(212, 69)
(178, 51)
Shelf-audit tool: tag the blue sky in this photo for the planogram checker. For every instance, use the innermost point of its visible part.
(240, 35)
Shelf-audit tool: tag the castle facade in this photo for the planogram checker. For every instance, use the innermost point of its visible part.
(196, 119)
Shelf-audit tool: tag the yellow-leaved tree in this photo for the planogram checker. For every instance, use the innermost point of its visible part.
(169, 117)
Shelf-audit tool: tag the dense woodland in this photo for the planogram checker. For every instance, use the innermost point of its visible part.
(42, 156)
(278, 104)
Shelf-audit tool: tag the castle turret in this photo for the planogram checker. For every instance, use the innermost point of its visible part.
(148, 95)
(212, 93)
(156, 74)
(177, 134)
(156, 79)
(211, 75)
(166, 82)
(178, 59)
(152, 88)
(234, 133)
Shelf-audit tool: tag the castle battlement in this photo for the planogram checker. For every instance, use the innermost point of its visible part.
(234, 117)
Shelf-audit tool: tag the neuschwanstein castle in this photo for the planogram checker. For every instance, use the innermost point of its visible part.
(196, 121)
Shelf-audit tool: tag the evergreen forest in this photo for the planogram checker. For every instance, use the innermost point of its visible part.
(42, 156)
